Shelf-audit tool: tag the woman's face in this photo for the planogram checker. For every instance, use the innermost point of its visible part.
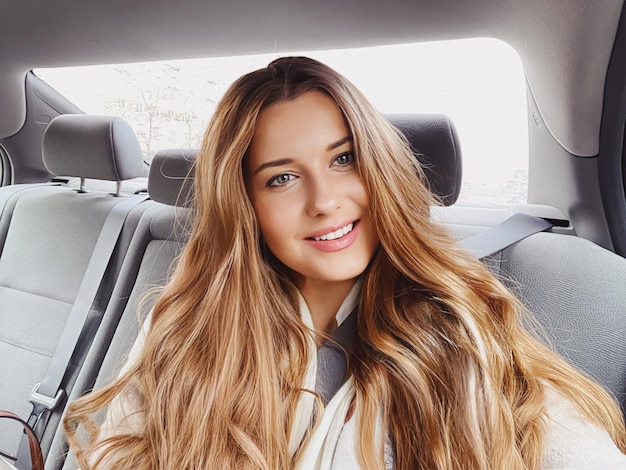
(310, 202)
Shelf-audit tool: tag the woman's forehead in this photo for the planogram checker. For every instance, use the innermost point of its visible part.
(312, 118)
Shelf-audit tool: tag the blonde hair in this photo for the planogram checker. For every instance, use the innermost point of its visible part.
(441, 352)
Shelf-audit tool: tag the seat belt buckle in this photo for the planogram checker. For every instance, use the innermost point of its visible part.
(45, 401)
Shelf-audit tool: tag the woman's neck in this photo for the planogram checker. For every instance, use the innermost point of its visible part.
(324, 299)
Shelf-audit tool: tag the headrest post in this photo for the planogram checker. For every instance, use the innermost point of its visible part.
(118, 188)
(81, 187)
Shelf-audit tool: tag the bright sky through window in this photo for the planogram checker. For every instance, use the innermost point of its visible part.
(478, 83)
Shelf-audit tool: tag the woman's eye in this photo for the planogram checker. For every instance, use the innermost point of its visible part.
(280, 180)
(344, 159)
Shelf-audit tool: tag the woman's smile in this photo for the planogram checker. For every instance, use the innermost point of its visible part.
(332, 234)
(335, 240)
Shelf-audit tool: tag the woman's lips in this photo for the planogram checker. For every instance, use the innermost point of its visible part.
(336, 244)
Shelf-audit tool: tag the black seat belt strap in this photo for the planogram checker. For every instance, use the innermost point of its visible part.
(512, 230)
(332, 364)
(47, 394)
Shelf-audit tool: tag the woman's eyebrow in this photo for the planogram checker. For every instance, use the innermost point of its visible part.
(339, 143)
(286, 161)
(273, 163)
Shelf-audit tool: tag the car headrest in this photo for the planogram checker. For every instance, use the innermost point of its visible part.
(435, 143)
(95, 147)
(170, 180)
(433, 139)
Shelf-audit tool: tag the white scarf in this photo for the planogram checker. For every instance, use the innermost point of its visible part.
(319, 450)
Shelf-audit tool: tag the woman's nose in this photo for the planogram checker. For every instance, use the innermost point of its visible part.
(323, 196)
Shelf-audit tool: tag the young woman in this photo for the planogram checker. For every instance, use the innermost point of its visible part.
(311, 216)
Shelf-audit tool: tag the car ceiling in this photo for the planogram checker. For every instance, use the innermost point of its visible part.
(565, 45)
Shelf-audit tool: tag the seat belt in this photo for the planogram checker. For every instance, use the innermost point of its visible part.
(332, 366)
(47, 394)
(507, 233)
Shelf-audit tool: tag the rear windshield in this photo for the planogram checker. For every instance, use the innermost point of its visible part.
(478, 83)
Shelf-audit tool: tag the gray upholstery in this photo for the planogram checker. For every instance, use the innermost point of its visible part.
(171, 176)
(435, 143)
(159, 238)
(576, 291)
(5, 216)
(159, 248)
(87, 146)
(48, 236)
(49, 243)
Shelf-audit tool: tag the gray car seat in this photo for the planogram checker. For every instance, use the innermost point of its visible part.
(167, 225)
(575, 289)
(51, 233)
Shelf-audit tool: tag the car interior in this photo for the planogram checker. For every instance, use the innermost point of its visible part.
(89, 230)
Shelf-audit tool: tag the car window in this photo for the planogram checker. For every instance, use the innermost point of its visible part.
(479, 83)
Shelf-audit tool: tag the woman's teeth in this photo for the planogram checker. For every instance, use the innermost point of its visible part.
(336, 234)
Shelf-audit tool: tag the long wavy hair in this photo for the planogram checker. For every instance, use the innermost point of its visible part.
(441, 355)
